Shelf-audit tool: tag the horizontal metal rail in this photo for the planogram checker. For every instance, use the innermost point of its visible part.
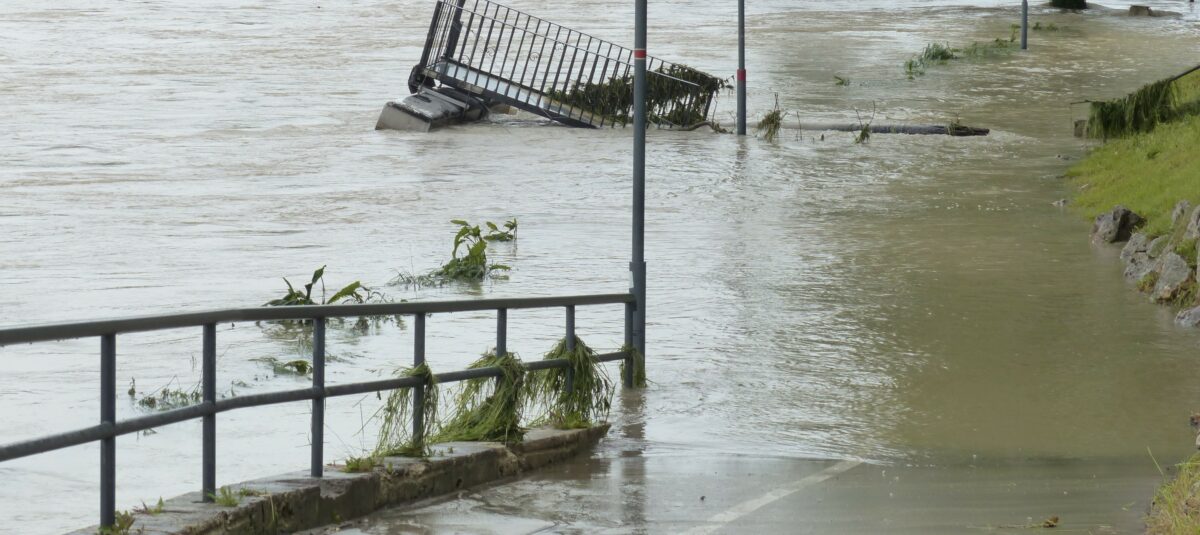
(207, 409)
(88, 329)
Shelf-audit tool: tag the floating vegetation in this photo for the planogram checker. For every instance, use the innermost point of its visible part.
(864, 133)
(1051, 27)
(290, 367)
(771, 122)
(942, 53)
(840, 81)
(1069, 4)
(1140, 111)
(167, 398)
(293, 297)
(395, 416)
(589, 399)
(508, 234)
(639, 366)
(354, 292)
(489, 409)
(471, 266)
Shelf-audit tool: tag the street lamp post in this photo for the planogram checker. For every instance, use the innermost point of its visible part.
(637, 267)
(741, 72)
(1024, 24)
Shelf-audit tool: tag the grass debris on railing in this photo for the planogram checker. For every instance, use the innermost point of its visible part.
(668, 101)
(1140, 111)
(489, 409)
(395, 416)
(639, 366)
(354, 292)
(590, 399)
(472, 265)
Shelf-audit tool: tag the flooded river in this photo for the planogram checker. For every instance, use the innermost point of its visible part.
(915, 300)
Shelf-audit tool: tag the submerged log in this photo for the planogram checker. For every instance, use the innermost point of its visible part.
(915, 129)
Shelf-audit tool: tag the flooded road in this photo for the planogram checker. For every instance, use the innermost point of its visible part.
(911, 302)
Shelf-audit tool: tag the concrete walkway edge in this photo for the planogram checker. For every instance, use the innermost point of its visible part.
(295, 501)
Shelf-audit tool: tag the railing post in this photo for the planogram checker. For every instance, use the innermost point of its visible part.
(418, 398)
(501, 332)
(1024, 24)
(570, 345)
(741, 72)
(628, 375)
(318, 406)
(108, 415)
(208, 478)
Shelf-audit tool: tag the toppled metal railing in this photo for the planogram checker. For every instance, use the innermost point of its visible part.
(500, 55)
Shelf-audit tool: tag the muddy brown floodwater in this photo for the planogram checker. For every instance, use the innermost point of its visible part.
(911, 302)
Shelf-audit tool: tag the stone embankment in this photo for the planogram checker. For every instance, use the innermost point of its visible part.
(295, 502)
(1162, 266)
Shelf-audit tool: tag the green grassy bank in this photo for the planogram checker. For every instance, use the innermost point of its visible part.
(1148, 173)
(1150, 164)
(1176, 507)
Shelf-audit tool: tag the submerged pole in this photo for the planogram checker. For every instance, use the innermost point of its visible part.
(741, 72)
(637, 266)
(1024, 24)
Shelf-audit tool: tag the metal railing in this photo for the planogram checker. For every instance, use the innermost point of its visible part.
(107, 330)
(504, 54)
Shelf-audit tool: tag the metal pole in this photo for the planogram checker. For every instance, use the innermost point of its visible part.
(418, 399)
(501, 331)
(638, 266)
(208, 486)
(108, 415)
(318, 406)
(1024, 24)
(570, 345)
(741, 72)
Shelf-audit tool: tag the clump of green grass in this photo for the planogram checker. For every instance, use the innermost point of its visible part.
(153, 510)
(1148, 282)
(1051, 27)
(361, 464)
(1120, 172)
(472, 265)
(122, 524)
(840, 81)
(587, 402)
(1176, 507)
(395, 416)
(490, 409)
(226, 497)
(1187, 249)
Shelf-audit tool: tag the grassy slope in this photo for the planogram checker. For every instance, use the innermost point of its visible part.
(1147, 173)
(1176, 508)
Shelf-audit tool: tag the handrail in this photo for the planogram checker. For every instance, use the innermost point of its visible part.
(87, 329)
(207, 409)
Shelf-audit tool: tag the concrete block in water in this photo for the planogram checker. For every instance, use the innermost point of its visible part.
(428, 109)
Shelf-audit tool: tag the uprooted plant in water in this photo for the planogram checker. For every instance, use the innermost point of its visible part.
(941, 53)
(772, 122)
(472, 264)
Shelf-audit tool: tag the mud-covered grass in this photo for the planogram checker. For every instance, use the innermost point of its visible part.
(1148, 173)
(1176, 506)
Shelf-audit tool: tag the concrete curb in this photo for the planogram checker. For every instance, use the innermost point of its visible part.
(295, 501)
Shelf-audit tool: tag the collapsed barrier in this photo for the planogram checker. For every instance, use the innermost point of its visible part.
(483, 53)
(107, 330)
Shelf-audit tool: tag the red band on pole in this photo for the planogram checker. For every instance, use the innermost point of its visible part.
(741, 75)
(639, 53)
